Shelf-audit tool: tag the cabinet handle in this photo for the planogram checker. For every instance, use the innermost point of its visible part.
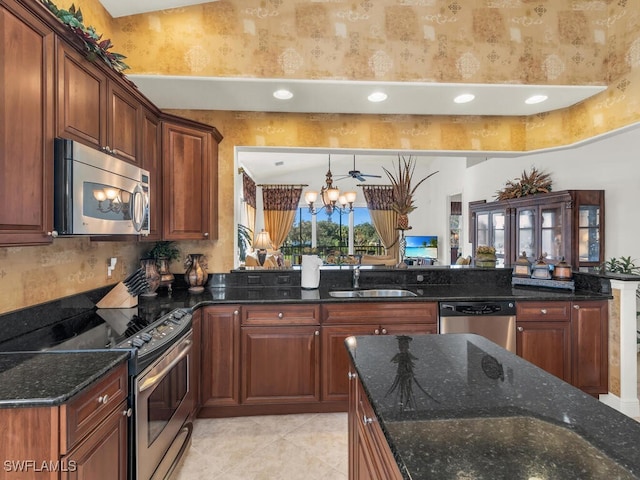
(520, 329)
(351, 376)
(236, 313)
(103, 399)
(376, 331)
(577, 307)
(127, 413)
(543, 311)
(316, 333)
(367, 420)
(205, 234)
(280, 315)
(52, 233)
(384, 331)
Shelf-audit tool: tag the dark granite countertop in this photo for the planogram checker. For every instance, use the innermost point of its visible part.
(458, 406)
(34, 379)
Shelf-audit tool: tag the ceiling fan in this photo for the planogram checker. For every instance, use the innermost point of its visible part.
(357, 174)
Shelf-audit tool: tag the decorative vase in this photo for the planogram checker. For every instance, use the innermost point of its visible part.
(486, 260)
(196, 274)
(152, 276)
(166, 277)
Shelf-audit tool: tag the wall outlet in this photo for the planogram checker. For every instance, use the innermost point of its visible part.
(111, 265)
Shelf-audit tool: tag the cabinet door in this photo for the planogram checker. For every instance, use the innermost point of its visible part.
(220, 356)
(590, 347)
(547, 345)
(196, 360)
(151, 160)
(335, 359)
(122, 123)
(187, 183)
(103, 454)
(280, 364)
(82, 99)
(553, 233)
(526, 232)
(26, 128)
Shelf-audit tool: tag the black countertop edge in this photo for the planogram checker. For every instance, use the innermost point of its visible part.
(36, 379)
(452, 384)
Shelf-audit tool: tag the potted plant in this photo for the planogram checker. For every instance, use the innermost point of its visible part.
(403, 191)
(164, 252)
(245, 236)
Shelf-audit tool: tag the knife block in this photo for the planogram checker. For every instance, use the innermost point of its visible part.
(118, 297)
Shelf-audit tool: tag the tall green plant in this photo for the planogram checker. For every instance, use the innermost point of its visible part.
(622, 265)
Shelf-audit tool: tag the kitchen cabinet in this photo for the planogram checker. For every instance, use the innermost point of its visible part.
(189, 171)
(370, 457)
(566, 224)
(567, 339)
(26, 127)
(590, 344)
(94, 109)
(543, 336)
(220, 365)
(340, 321)
(195, 359)
(151, 160)
(280, 354)
(82, 439)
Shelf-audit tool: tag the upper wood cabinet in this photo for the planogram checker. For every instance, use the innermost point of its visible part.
(94, 109)
(567, 224)
(151, 159)
(189, 174)
(26, 127)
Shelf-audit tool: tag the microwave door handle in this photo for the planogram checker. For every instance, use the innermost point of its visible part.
(137, 207)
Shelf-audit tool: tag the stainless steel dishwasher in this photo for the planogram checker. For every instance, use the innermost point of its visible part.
(495, 321)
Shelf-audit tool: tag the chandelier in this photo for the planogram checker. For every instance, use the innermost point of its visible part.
(331, 197)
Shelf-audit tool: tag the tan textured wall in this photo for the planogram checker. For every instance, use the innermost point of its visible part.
(508, 41)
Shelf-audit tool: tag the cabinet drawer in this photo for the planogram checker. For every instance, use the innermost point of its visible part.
(383, 313)
(85, 411)
(281, 315)
(543, 311)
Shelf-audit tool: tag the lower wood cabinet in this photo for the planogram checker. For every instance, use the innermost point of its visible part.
(370, 457)
(567, 339)
(280, 364)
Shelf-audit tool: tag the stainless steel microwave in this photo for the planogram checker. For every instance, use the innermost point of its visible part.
(96, 193)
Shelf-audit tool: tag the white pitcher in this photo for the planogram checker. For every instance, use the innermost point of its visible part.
(310, 273)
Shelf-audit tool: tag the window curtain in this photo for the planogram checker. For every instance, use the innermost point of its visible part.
(379, 199)
(249, 194)
(280, 203)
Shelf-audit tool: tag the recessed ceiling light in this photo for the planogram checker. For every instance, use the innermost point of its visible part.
(464, 98)
(283, 94)
(535, 99)
(377, 97)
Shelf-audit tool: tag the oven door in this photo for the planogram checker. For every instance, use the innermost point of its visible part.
(164, 401)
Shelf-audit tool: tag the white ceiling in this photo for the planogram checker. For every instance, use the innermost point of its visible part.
(123, 8)
(335, 96)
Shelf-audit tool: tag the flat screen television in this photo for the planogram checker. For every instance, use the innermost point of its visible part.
(425, 246)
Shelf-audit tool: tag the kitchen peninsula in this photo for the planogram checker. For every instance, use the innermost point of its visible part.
(458, 406)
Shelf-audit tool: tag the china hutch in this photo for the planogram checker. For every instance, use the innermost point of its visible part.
(567, 224)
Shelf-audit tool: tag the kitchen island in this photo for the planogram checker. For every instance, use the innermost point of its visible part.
(458, 406)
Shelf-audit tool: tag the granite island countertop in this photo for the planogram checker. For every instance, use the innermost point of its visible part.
(462, 407)
(35, 379)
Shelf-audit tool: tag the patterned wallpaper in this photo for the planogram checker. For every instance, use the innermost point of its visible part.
(475, 41)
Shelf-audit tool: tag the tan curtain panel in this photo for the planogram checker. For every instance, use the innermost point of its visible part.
(379, 198)
(280, 203)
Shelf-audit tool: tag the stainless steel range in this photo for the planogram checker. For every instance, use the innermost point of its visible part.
(161, 394)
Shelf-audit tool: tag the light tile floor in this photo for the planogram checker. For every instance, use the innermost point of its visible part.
(292, 447)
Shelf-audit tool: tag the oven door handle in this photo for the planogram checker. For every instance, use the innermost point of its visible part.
(154, 379)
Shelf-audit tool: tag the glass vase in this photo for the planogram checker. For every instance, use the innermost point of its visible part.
(196, 274)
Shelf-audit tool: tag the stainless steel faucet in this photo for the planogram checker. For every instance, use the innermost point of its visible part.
(356, 276)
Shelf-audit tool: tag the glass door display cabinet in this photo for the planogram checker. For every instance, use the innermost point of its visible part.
(567, 224)
(490, 224)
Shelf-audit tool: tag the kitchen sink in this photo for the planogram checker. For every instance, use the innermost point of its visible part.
(374, 292)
